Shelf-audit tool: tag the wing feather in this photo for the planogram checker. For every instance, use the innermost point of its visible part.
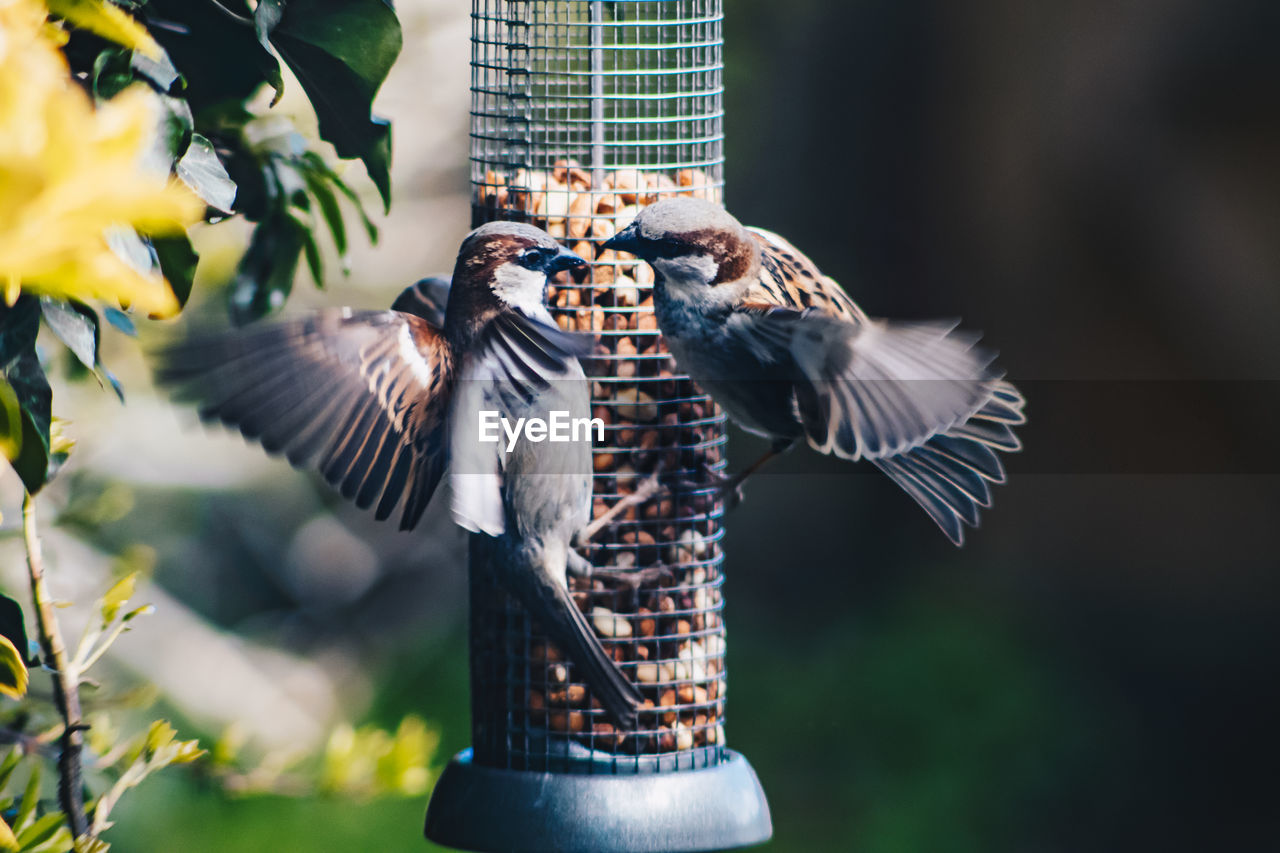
(920, 400)
(361, 396)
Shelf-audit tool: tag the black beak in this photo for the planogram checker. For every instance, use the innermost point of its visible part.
(626, 240)
(565, 260)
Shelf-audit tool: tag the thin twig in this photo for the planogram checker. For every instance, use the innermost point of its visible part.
(65, 694)
(230, 13)
(83, 666)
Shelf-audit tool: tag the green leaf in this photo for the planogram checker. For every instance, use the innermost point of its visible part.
(83, 844)
(116, 597)
(404, 768)
(41, 831)
(144, 610)
(160, 73)
(60, 445)
(75, 327)
(265, 19)
(10, 421)
(131, 248)
(266, 272)
(20, 367)
(111, 73)
(220, 58)
(178, 260)
(173, 134)
(159, 736)
(202, 171)
(13, 625)
(322, 192)
(341, 52)
(13, 670)
(162, 749)
(312, 253)
(317, 163)
(30, 799)
(10, 763)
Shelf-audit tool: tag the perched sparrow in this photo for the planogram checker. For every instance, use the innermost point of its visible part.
(380, 401)
(786, 352)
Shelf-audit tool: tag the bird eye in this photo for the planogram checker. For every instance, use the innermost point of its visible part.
(536, 257)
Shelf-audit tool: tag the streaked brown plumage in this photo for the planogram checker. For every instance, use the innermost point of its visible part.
(379, 402)
(788, 354)
(362, 396)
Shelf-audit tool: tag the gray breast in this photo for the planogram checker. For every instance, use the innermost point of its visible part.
(547, 484)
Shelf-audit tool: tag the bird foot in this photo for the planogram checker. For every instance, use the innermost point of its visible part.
(727, 489)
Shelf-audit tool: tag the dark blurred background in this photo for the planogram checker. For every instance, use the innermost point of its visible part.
(1094, 185)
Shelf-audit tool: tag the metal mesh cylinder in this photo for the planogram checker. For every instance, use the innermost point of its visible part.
(583, 112)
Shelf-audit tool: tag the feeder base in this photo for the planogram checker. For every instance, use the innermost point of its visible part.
(505, 811)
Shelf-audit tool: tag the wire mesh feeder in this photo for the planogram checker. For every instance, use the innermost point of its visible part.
(584, 111)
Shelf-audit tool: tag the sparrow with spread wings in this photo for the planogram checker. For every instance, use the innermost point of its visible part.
(787, 354)
(380, 402)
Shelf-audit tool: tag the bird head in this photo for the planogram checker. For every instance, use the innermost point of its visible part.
(694, 246)
(505, 265)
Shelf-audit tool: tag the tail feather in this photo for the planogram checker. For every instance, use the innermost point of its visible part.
(551, 605)
(949, 475)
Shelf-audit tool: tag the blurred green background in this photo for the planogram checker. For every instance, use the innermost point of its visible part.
(1096, 186)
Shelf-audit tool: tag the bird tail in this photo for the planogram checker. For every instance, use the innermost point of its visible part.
(550, 603)
(950, 474)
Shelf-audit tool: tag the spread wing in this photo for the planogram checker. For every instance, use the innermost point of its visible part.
(873, 389)
(360, 396)
(920, 400)
(513, 360)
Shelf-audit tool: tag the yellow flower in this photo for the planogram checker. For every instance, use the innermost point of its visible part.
(107, 20)
(71, 174)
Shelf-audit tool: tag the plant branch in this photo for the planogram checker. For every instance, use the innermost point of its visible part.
(230, 13)
(83, 666)
(65, 693)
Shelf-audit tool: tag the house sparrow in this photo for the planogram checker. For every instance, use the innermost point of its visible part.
(380, 401)
(785, 351)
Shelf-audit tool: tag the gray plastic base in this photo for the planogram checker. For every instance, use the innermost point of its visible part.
(518, 811)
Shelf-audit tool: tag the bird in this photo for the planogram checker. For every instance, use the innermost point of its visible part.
(381, 402)
(788, 354)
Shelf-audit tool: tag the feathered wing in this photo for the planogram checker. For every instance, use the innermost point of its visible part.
(513, 359)
(360, 396)
(921, 401)
(426, 298)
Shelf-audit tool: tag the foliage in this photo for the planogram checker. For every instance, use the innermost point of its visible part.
(27, 828)
(122, 123)
(364, 762)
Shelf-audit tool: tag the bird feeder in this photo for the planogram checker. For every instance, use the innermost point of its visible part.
(583, 112)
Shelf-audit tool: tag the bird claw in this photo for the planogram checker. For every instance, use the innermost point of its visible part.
(648, 488)
(727, 489)
(630, 583)
(731, 492)
(650, 577)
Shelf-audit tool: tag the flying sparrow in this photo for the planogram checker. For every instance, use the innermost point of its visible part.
(381, 401)
(785, 351)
